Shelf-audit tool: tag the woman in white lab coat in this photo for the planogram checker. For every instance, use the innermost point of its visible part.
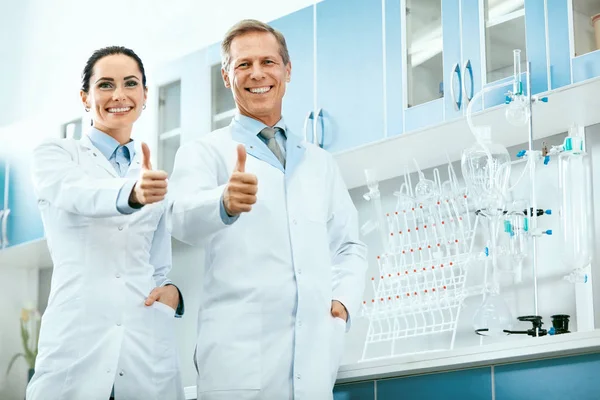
(108, 330)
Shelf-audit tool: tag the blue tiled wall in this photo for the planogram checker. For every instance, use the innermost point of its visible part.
(569, 378)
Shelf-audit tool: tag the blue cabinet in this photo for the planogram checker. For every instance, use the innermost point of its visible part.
(472, 384)
(349, 81)
(298, 102)
(561, 378)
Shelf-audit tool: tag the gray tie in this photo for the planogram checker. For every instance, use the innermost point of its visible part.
(269, 135)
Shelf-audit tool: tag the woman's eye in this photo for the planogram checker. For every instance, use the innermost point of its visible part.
(104, 85)
(131, 83)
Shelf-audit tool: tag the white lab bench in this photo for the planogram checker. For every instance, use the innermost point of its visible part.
(525, 349)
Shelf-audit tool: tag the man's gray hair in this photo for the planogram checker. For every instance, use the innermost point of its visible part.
(247, 26)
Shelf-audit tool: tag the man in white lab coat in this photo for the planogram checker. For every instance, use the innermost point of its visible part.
(284, 265)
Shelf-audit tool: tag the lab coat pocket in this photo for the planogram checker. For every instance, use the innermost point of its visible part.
(165, 349)
(162, 307)
(338, 338)
(228, 350)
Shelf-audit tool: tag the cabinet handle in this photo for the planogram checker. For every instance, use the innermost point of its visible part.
(310, 116)
(455, 73)
(468, 68)
(4, 228)
(1, 236)
(322, 123)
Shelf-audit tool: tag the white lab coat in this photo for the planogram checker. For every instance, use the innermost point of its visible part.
(265, 330)
(96, 330)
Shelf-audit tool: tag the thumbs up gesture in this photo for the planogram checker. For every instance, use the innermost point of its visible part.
(240, 192)
(151, 186)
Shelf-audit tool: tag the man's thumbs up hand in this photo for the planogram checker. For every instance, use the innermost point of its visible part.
(240, 192)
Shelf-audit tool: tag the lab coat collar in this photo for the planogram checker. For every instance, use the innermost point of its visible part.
(245, 130)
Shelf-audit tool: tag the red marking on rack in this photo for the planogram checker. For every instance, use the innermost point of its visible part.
(444, 287)
(390, 297)
(390, 275)
(438, 203)
(381, 276)
(388, 214)
(433, 290)
(456, 241)
(412, 251)
(425, 290)
(421, 206)
(425, 226)
(460, 219)
(413, 209)
(428, 246)
(397, 296)
(415, 293)
(373, 301)
(424, 269)
(373, 279)
(420, 249)
(441, 265)
(451, 263)
(465, 196)
(438, 245)
(392, 234)
(433, 267)
(443, 222)
(403, 252)
(416, 228)
(408, 230)
(400, 232)
(406, 272)
(396, 212)
(407, 294)
(414, 270)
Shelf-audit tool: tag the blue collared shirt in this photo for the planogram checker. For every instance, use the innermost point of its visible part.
(120, 157)
(246, 124)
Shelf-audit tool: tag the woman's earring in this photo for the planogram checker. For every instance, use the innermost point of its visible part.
(87, 109)
(144, 107)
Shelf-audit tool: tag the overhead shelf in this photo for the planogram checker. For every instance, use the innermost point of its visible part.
(577, 103)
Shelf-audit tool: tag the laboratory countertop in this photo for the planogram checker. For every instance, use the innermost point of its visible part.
(523, 349)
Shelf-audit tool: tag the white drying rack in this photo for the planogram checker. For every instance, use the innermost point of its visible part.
(421, 284)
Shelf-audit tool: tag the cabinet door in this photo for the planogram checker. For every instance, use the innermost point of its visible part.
(24, 220)
(586, 38)
(298, 102)
(349, 73)
(470, 14)
(510, 25)
(423, 47)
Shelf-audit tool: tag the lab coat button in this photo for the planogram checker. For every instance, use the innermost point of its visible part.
(299, 323)
(108, 371)
(118, 324)
(121, 373)
(298, 376)
(121, 228)
(118, 275)
(300, 272)
(294, 222)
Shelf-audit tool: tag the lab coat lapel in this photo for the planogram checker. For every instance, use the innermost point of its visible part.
(295, 150)
(255, 147)
(97, 156)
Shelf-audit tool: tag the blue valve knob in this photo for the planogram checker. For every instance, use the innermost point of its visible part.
(487, 252)
(544, 99)
(548, 212)
(521, 153)
(548, 232)
(546, 160)
(551, 331)
(507, 99)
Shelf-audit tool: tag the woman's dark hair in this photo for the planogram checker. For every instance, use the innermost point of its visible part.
(108, 51)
